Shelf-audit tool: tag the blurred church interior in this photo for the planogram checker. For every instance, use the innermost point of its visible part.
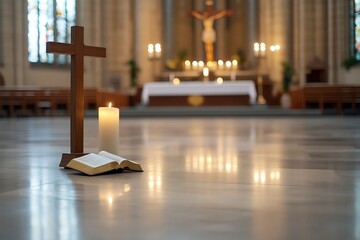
(313, 43)
(244, 115)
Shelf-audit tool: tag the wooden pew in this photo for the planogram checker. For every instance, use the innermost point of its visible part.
(25, 100)
(90, 98)
(336, 95)
(104, 97)
(18, 98)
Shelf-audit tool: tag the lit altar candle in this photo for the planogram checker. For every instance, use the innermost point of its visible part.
(221, 64)
(206, 72)
(228, 65)
(194, 65)
(109, 129)
(234, 64)
(262, 49)
(158, 50)
(256, 49)
(201, 64)
(187, 65)
(151, 50)
(210, 64)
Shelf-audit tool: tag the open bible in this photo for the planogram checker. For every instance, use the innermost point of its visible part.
(92, 164)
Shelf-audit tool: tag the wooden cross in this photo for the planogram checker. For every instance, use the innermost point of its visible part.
(77, 50)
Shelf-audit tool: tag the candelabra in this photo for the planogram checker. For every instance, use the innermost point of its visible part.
(260, 53)
(154, 54)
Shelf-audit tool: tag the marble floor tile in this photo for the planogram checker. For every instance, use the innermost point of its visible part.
(204, 178)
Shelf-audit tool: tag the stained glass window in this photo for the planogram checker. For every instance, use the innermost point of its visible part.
(49, 20)
(355, 26)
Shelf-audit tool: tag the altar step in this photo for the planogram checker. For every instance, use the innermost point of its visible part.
(141, 111)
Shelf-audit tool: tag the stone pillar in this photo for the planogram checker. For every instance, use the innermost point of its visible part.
(169, 27)
(220, 45)
(252, 31)
(264, 33)
(280, 34)
(118, 37)
(198, 46)
(299, 40)
(330, 37)
(273, 36)
(319, 29)
(8, 16)
(342, 49)
(98, 73)
(182, 28)
(20, 34)
(340, 24)
(89, 16)
(237, 34)
(148, 29)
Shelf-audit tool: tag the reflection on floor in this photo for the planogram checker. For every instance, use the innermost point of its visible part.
(205, 178)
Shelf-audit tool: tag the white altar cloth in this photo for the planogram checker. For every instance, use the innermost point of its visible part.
(199, 88)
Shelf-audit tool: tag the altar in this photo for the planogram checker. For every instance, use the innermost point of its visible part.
(199, 93)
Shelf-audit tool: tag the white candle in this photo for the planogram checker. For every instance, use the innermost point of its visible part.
(221, 64)
(228, 65)
(201, 64)
(262, 49)
(256, 49)
(187, 65)
(109, 129)
(234, 64)
(151, 50)
(206, 72)
(158, 50)
(194, 65)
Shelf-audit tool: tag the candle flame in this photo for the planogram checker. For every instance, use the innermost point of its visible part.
(109, 104)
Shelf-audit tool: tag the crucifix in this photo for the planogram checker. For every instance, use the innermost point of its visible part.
(208, 35)
(78, 51)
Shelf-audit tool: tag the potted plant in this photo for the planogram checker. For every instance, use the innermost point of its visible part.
(288, 73)
(133, 71)
(349, 63)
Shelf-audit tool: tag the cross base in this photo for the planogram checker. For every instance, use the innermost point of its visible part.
(67, 157)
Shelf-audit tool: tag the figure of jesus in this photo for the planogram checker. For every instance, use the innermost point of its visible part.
(208, 35)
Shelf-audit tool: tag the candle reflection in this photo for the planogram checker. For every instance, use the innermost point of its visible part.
(261, 176)
(110, 195)
(202, 162)
(110, 200)
(155, 182)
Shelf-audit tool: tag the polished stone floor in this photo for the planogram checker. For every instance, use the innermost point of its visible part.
(205, 178)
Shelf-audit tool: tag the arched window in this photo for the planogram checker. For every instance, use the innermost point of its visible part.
(49, 20)
(355, 28)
